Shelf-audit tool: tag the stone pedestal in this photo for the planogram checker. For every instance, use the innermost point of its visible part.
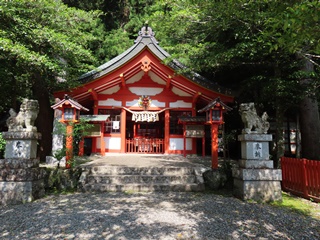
(255, 178)
(21, 178)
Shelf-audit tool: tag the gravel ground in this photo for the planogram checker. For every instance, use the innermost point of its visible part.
(152, 216)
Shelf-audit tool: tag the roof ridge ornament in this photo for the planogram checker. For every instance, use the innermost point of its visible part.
(146, 32)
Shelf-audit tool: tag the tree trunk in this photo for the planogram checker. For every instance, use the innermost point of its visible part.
(309, 120)
(44, 120)
(279, 135)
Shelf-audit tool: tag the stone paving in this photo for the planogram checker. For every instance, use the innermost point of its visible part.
(147, 160)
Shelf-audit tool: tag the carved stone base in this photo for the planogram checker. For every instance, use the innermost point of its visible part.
(260, 191)
(21, 192)
(255, 178)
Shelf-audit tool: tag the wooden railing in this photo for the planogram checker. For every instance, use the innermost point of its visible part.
(301, 177)
(144, 145)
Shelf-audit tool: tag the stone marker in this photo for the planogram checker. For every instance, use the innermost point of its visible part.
(254, 177)
(21, 178)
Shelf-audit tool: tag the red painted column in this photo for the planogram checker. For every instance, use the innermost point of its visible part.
(166, 131)
(203, 147)
(102, 143)
(69, 145)
(123, 130)
(81, 147)
(214, 145)
(184, 140)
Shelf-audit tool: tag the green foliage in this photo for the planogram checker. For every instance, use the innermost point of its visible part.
(2, 145)
(80, 130)
(43, 38)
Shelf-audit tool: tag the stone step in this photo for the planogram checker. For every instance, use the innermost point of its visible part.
(119, 170)
(142, 187)
(125, 179)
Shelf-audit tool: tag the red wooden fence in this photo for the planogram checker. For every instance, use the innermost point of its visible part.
(301, 177)
(145, 145)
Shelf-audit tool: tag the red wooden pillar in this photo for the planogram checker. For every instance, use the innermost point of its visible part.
(81, 147)
(123, 130)
(166, 131)
(214, 145)
(69, 145)
(203, 147)
(102, 143)
(184, 140)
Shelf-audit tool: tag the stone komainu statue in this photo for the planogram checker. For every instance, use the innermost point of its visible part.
(251, 120)
(24, 120)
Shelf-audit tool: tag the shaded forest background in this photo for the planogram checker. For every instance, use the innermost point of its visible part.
(264, 51)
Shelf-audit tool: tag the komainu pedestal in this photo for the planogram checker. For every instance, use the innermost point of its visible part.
(255, 178)
(21, 178)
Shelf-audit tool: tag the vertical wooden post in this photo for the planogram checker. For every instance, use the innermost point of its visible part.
(81, 147)
(214, 145)
(166, 131)
(304, 178)
(184, 140)
(123, 130)
(203, 146)
(102, 143)
(69, 145)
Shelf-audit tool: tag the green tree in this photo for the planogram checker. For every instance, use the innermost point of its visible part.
(45, 45)
(250, 39)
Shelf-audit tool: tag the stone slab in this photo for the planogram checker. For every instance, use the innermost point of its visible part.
(255, 150)
(257, 174)
(260, 191)
(22, 174)
(20, 192)
(254, 137)
(14, 163)
(17, 135)
(18, 148)
(244, 163)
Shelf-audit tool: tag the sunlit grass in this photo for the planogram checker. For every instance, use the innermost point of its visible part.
(299, 205)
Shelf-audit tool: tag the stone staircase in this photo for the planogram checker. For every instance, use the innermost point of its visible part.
(141, 179)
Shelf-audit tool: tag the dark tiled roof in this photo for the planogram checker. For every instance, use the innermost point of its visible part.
(213, 104)
(146, 39)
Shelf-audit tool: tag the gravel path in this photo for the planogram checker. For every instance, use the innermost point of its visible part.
(152, 216)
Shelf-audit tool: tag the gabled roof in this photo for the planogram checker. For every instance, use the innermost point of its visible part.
(213, 104)
(144, 40)
(69, 101)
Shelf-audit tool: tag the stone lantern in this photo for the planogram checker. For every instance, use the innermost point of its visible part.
(214, 117)
(70, 115)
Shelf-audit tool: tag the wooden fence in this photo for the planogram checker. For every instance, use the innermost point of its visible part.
(301, 177)
(145, 145)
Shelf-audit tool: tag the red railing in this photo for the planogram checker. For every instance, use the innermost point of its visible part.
(144, 145)
(301, 177)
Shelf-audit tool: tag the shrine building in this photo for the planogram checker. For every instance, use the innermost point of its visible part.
(135, 102)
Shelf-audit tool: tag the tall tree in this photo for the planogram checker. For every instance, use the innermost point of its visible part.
(44, 46)
(215, 36)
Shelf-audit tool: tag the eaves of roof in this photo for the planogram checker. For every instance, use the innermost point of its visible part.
(146, 40)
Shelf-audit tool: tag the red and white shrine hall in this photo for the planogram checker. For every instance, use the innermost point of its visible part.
(140, 100)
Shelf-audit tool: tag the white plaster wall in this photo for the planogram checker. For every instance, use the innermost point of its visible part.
(181, 104)
(177, 144)
(113, 143)
(135, 78)
(145, 91)
(156, 78)
(179, 92)
(110, 102)
(111, 90)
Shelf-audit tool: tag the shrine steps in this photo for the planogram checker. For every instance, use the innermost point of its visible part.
(141, 179)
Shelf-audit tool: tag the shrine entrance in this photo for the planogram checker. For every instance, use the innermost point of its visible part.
(145, 132)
